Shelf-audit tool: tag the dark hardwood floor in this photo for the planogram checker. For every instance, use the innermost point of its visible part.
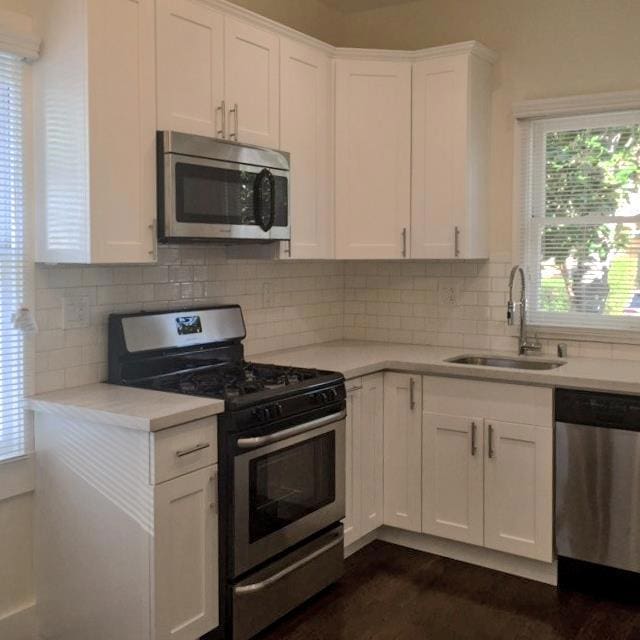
(392, 593)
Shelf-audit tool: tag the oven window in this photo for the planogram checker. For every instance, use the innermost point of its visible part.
(291, 483)
(213, 195)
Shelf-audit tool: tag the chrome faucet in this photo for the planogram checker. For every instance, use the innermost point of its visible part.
(525, 345)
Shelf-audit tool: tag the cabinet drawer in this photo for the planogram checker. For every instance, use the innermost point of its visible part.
(183, 449)
(492, 400)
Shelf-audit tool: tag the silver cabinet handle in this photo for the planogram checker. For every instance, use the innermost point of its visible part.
(260, 441)
(234, 134)
(259, 586)
(404, 242)
(490, 451)
(474, 448)
(456, 242)
(222, 132)
(194, 449)
(357, 388)
(412, 394)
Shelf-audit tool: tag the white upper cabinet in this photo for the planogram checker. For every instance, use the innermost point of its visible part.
(306, 103)
(252, 85)
(450, 154)
(373, 159)
(190, 52)
(95, 132)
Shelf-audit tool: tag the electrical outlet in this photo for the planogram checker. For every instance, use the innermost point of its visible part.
(448, 296)
(76, 312)
(267, 294)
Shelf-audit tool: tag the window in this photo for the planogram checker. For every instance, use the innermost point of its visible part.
(13, 441)
(580, 231)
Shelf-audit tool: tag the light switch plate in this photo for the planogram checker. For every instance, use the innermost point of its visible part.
(76, 312)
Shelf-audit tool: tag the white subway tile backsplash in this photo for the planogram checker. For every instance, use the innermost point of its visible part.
(286, 304)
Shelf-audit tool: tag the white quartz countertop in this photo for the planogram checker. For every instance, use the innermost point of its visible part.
(354, 359)
(128, 407)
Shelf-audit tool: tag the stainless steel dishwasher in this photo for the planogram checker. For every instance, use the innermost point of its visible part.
(597, 480)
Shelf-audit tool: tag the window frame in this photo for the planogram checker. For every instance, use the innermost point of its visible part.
(555, 108)
(17, 473)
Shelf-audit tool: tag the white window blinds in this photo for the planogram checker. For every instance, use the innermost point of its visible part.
(580, 231)
(13, 441)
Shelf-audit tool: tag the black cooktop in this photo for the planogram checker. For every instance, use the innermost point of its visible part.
(234, 380)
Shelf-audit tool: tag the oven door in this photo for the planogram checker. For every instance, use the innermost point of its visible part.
(217, 199)
(287, 486)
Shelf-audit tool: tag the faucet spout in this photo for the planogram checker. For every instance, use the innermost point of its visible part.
(524, 344)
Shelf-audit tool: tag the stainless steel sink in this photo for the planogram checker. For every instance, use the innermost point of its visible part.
(507, 363)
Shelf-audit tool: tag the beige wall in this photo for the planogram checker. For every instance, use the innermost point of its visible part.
(547, 48)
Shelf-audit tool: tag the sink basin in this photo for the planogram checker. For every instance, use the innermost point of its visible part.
(507, 363)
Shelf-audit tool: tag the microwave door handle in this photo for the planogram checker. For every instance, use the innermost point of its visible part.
(261, 441)
(258, 203)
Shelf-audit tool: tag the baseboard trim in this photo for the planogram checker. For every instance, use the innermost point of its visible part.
(496, 560)
(20, 624)
(361, 543)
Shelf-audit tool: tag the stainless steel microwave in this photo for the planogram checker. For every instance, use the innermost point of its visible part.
(217, 190)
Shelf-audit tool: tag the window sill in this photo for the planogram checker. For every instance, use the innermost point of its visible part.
(575, 334)
(17, 476)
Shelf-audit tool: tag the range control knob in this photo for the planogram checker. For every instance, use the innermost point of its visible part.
(333, 394)
(278, 409)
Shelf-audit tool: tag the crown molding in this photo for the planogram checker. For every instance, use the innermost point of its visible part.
(577, 105)
(377, 55)
(470, 47)
(271, 25)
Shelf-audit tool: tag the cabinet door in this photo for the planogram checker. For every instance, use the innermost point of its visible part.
(403, 451)
(519, 489)
(439, 156)
(190, 48)
(373, 155)
(252, 84)
(186, 556)
(306, 133)
(371, 453)
(122, 130)
(352, 529)
(452, 477)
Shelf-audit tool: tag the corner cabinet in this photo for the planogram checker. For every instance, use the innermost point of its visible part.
(306, 108)
(403, 451)
(373, 159)
(450, 153)
(95, 104)
(364, 457)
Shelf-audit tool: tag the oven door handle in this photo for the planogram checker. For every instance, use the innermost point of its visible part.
(261, 441)
(267, 582)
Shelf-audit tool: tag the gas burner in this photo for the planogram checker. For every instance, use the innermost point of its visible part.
(234, 380)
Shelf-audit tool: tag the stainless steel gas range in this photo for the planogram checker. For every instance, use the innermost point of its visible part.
(281, 455)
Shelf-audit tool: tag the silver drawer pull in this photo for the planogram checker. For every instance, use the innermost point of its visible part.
(194, 449)
(259, 586)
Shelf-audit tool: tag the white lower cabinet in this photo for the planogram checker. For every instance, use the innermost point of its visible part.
(494, 488)
(364, 462)
(518, 490)
(186, 563)
(452, 468)
(403, 451)
(352, 462)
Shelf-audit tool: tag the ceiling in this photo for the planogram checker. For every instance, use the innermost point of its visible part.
(351, 6)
